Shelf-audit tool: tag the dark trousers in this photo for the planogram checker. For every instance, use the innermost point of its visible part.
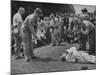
(18, 41)
(92, 42)
(83, 39)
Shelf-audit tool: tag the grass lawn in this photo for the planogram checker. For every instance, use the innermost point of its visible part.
(38, 65)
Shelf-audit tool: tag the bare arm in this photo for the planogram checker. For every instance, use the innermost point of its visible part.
(31, 26)
(85, 32)
(33, 31)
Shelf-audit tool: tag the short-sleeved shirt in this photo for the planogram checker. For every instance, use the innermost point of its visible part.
(87, 25)
(17, 21)
(31, 21)
(84, 17)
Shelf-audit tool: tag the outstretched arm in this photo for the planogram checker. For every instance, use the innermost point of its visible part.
(33, 31)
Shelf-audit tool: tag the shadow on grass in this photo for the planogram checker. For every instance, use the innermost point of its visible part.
(43, 60)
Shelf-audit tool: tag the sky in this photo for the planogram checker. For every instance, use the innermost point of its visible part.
(78, 8)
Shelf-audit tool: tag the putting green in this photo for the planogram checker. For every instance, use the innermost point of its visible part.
(52, 52)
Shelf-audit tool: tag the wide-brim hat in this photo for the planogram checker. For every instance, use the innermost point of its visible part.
(84, 10)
